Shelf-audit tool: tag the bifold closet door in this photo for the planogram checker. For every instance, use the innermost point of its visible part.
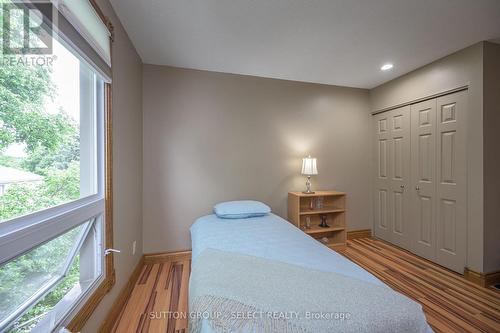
(381, 183)
(420, 179)
(392, 178)
(438, 172)
(423, 162)
(451, 206)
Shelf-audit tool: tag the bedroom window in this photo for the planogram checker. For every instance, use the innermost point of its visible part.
(54, 224)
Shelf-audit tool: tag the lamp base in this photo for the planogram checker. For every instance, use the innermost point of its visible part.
(308, 186)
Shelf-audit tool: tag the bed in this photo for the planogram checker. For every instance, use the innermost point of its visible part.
(272, 238)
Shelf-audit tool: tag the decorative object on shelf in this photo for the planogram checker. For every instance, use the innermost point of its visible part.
(323, 224)
(319, 203)
(309, 169)
(311, 204)
(308, 222)
(325, 240)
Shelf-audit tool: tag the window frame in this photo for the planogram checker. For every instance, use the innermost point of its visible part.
(26, 233)
(30, 231)
(54, 281)
(80, 316)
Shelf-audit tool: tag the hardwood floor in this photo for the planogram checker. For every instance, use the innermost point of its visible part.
(161, 289)
(451, 303)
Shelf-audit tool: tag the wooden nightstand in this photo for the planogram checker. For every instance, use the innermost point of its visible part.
(303, 206)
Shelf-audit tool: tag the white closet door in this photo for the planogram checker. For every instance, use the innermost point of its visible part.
(423, 162)
(399, 200)
(451, 182)
(420, 179)
(382, 184)
(392, 176)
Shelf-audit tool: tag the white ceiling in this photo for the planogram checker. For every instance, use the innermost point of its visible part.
(340, 42)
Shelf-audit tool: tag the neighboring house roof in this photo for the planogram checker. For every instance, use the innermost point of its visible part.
(11, 175)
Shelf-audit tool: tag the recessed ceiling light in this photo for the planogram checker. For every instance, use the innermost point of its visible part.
(386, 67)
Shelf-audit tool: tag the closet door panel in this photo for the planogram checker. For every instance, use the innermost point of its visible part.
(400, 202)
(392, 176)
(423, 162)
(450, 189)
(382, 148)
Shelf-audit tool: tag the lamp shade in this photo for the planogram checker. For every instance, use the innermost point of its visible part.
(309, 166)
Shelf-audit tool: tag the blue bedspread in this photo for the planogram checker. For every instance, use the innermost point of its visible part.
(273, 238)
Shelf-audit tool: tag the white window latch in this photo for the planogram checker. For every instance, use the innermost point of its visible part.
(108, 251)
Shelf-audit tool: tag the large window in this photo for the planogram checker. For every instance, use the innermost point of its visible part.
(51, 184)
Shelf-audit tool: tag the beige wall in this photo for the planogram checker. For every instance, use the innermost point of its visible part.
(211, 137)
(127, 163)
(491, 157)
(456, 70)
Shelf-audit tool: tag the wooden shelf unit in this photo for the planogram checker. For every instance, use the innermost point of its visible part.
(299, 208)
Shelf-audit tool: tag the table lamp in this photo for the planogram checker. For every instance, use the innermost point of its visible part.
(309, 169)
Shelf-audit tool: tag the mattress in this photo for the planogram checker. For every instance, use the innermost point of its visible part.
(273, 238)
